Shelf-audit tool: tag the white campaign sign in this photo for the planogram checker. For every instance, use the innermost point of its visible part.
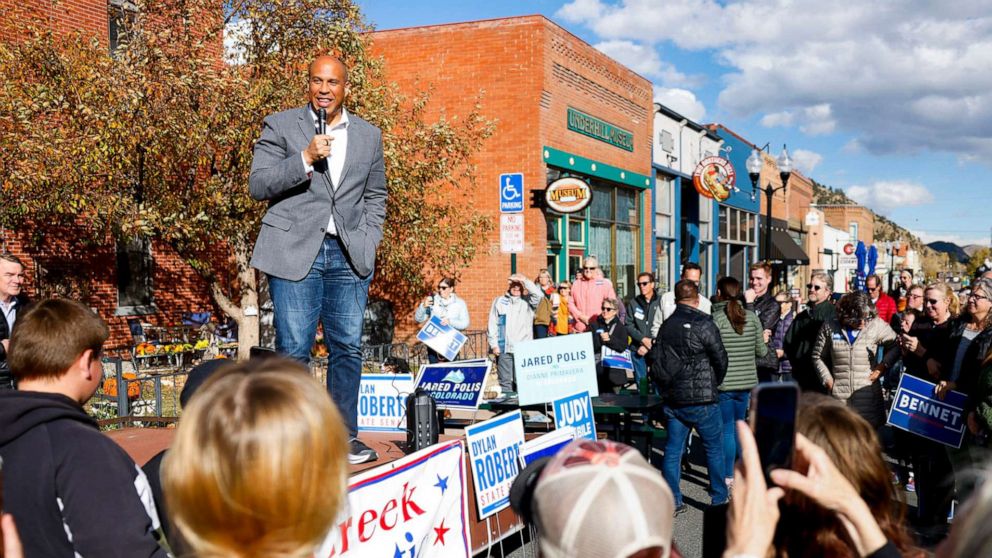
(511, 233)
(494, 452)
(555, 367)
(415, 506)
(382, 402)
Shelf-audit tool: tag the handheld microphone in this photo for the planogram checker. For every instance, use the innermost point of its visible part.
(322, 121)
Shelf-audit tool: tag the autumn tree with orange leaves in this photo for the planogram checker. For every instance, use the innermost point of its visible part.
(156, 140)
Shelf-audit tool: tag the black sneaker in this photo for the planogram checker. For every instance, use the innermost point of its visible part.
(360, 453)
(680, 509)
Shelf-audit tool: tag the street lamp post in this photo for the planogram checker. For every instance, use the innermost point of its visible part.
(754, 164)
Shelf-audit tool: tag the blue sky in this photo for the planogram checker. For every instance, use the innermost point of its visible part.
(891, 101)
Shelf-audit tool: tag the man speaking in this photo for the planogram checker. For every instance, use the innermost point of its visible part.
(321, 170)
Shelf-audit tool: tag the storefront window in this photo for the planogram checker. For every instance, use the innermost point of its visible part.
(663, 202)
(736, 237)
(663, 264)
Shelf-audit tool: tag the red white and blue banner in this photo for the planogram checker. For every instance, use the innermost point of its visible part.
(382, 402)
(917, 410)
(415, 507)
(444, 339)
(494, 452)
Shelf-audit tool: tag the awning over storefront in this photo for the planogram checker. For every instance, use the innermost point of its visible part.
(786, 251)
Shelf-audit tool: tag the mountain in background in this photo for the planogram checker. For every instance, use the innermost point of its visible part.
(956, 252)
(885, 228)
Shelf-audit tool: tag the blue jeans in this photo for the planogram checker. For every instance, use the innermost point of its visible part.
(733, 407)
(640, 365)
(708, 423)
(334, 294)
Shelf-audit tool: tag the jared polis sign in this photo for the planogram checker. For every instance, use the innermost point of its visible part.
(598, 129)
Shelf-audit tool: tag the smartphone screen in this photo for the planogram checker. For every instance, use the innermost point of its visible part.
(773, 420)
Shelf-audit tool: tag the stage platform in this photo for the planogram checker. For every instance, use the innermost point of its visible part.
(144, 443)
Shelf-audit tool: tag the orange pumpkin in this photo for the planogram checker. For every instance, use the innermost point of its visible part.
(133, 388)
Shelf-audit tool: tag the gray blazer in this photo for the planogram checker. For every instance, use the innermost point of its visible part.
(293, 228)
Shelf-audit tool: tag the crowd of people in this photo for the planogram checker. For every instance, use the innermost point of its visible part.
(259, 464)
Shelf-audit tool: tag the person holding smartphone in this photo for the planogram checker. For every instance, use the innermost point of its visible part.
(447, 307)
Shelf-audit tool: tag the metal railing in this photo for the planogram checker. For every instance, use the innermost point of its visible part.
(134, 394)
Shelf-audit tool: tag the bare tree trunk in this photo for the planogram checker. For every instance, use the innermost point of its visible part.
(245, 313)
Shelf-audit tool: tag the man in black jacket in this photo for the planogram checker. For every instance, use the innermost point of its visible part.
(12, 301)
(72, 490)
(689, 362)
(761, 301)
(800, 338)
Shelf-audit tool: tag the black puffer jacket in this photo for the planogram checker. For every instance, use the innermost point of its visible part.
(974, 355)
(688, 357)
(6, 380)
(767, 309)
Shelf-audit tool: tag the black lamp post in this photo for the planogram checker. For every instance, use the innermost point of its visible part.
(754, 164)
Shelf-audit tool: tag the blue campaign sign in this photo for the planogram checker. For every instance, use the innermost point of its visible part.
(916, 409)
(455, 385)
(494, 451)
(444, 339)
(382, 402)
(511, 192)
(575, 411)
(545, 445)
(617, 360)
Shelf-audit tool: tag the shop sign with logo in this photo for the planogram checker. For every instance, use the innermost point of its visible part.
(598, 129)
(568, 195)
(714, 178)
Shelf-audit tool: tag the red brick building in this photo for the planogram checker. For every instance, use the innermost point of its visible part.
(561, 108)
(138, 279)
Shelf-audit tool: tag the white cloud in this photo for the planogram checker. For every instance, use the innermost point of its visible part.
(806, 160)
(901, 76)
(884, 196)
(644, 59)
(681, 101)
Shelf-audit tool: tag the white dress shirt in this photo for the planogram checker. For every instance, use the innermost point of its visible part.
(335, 161)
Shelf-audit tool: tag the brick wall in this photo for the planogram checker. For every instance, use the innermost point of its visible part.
(841, 216)
(517, 63)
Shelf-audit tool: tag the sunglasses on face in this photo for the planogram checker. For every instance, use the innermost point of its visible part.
(813, 287)
(978, 296)
(644, 284)
(931, 301)
(443, 287)
(874, 288)
(607, 309)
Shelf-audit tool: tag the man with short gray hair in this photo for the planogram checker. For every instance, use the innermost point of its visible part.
(799, 340)
(12, 301)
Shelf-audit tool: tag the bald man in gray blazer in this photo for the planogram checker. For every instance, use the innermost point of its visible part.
(327, 203)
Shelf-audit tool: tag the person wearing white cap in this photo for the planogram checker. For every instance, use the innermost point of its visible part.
(572, 496)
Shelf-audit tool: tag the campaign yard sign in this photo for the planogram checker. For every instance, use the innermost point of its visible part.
(382, 402)
(494, 452)
(620, 361)
(545, 445)
(555, 367)
(575, 411)
(916, 409)
(415, 506)
(455, 385)
(444, 339)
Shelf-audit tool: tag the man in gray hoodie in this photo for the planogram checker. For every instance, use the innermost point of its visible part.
(511, 320)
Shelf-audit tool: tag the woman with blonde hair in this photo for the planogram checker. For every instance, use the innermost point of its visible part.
(259, 464)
